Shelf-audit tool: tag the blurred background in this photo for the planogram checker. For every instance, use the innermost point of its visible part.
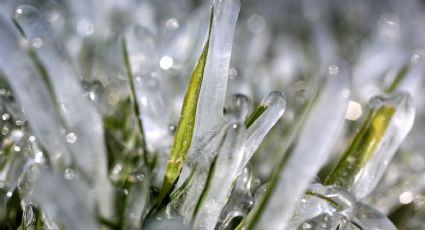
(283, 45)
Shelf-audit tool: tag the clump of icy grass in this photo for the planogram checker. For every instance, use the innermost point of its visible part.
(221, 115)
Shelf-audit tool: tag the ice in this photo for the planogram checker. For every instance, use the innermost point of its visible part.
(137, 202)
(229, 158)
(398, 128)
(199, 164)
(237, 107)
(276, 104)
(209, 113)
(233, 145)
(141, 46)
(33, 95)
(331, 207)
(82, 122)
(240, 201)
(68, 203)
(318, 138)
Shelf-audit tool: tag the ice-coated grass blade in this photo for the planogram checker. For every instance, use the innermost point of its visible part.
(184, 132)
(290, 177)
(214, 85)
(373, 146)
(362, 147)
(398, 79)
(255, 115)
(133, 99)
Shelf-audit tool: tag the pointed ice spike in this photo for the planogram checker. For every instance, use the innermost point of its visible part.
(33, 95)
(277, 206)
(68, 203)
(210, 112)
(366, 158)
(83, 124)
(225, 172)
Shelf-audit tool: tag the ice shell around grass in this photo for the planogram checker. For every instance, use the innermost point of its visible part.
(318, 140)
(398, 128)
(330, 207)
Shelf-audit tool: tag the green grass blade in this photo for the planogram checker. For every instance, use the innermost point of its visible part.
(184, 132)
(398, 79)
(133, 99)
(361, 148)
(255, 115)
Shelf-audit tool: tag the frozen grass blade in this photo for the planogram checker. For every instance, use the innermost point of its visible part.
(184, 132)
(255, 115)
(133, 100)
(214, 85)
(33, 95)
(373, 146)
(290, 178)
(222, 178)
(68, 203)
(82, 123)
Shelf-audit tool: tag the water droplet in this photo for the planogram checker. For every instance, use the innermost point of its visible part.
(4, 131)
(354, 111)
(172, 129)
(92, 95)
(346, 93)
(38, 157)
(31, 138)
(9, 194)
(389, 25)
(68, 174)
(19, 11)
(140, 177)
(28, 215)
(415, 58)
(52, 11)
(117, 169)
(19, 122)
(71, 138)
(144, 101)
(172, 24)
(166, 62)
(17, 148)
(333, 69)
(85, 28)
(5, 116)
(237, 106)
(37, 42)
(256, 23)
(132, 215)
(125, 191)
(406, 197)
(233, 73)
(307, 226)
